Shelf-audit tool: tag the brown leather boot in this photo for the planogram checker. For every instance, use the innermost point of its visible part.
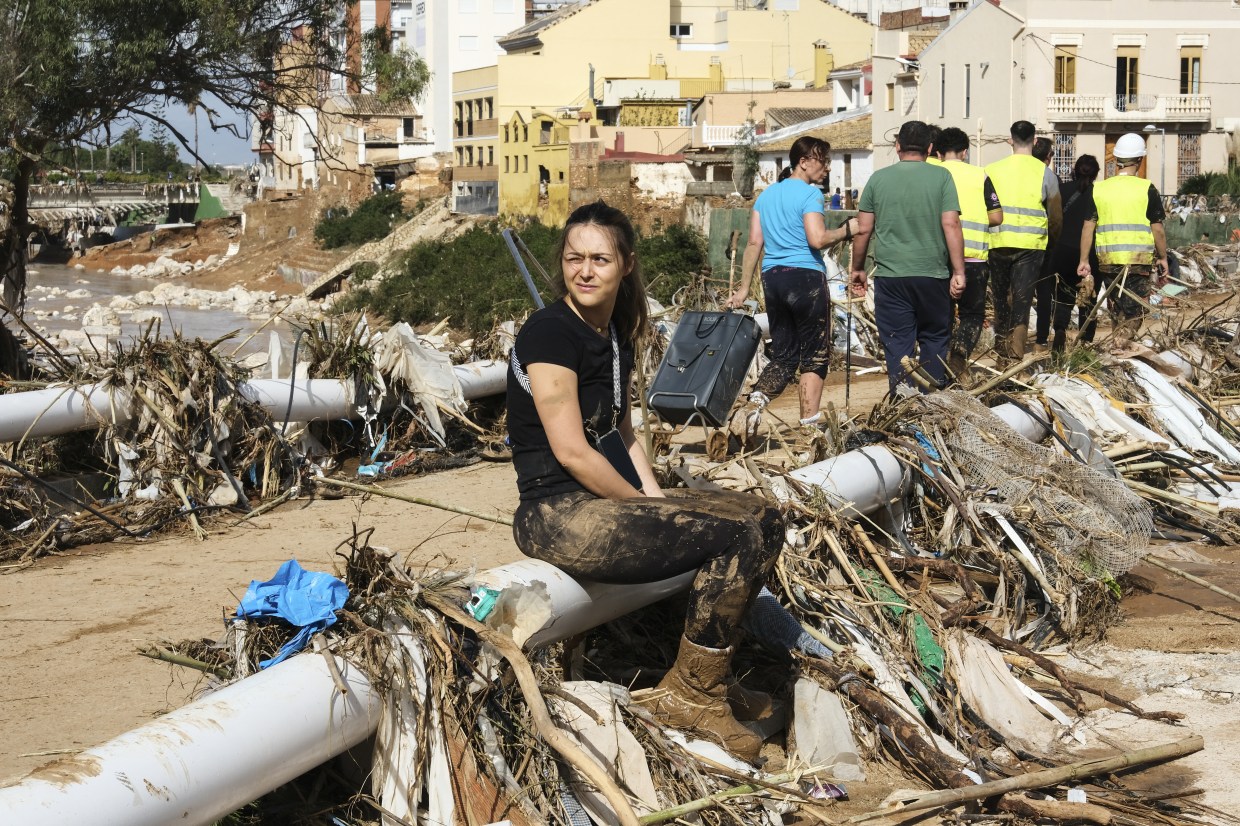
(694, 695)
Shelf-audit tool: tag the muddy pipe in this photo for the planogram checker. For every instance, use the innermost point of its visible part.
(57, 410)
(217, 754)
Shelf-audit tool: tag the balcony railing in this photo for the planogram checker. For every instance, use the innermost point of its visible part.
(1128, 108)
(729, 135)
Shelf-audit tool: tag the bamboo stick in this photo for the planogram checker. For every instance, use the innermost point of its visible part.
(189, 509)
(864, 539)
(1039, 779)
(1196, 580)
(701, 803)
(416, 500)
(163, 654)
(992, 383)
(1175, 498)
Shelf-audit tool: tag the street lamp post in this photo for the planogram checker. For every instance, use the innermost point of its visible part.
(1162, 163)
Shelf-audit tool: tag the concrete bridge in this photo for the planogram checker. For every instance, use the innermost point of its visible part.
(51, 206)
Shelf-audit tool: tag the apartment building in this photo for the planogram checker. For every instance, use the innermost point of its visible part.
(475, 145)
(1085, 72)
(642, 66)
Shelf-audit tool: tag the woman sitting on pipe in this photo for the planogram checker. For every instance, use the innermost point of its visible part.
(590, 504)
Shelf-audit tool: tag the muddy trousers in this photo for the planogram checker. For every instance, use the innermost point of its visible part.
(1122, 294)
(970, 308)
(1013, 274)
(798, 312)
(732, 539)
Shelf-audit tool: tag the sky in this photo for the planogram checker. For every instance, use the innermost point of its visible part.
(215, 147)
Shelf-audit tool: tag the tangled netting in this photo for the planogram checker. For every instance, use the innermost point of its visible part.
(1093, 521)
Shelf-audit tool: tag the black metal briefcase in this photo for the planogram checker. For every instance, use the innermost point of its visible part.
(704, 367)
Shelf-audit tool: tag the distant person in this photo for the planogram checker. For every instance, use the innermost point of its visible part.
(979, 211)
(1044, 287)
(1032, 215)
(837, 200)
(1078, 205)
(913, 213)
(933, 155)
(1126, 226)
(787, 233)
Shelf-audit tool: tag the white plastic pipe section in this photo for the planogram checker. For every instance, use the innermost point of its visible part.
(57, 410)
(219, 753)
(207, 759)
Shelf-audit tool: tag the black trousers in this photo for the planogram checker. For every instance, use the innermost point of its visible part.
(798, 313)
(1013, 273)
(733, 539)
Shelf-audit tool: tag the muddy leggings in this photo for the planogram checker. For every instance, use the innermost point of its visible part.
(733, 539)
(798, 312)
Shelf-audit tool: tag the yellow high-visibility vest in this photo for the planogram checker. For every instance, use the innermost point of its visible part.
(1018, 181)
(974, 222)
(933, 161)
(1124, 235)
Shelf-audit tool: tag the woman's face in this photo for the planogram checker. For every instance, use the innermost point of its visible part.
(592, 268)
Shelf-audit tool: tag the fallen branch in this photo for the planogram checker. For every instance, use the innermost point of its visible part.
(550, 732)
(1039, 779)
(755, 787)
(416, 500)
(1057, 810)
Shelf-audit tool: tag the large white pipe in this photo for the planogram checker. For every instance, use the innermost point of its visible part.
(223, 751)
(57, 410)
(207, 759)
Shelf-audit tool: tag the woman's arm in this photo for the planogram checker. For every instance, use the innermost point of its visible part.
(650, 485)
(555, 397)
(819, 237)
(751, 261)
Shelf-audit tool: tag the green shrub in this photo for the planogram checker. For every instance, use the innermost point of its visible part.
(670, 258)
(373, 219)
(474, 280)
(1213, 183)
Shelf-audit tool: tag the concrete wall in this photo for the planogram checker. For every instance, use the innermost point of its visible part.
(661, 181)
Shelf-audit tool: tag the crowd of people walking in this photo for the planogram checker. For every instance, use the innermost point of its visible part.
(945, 234)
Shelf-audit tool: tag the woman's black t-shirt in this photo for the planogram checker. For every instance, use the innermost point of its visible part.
(557, 335)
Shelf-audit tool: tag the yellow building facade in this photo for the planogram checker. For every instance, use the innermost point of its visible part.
(651, 56)
(534, 166)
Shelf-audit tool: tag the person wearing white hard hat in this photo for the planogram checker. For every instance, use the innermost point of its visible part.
(1126, 229)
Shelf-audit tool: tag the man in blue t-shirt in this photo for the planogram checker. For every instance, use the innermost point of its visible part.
(914, 214)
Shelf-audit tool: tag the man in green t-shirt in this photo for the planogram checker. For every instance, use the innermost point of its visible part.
(912, 212)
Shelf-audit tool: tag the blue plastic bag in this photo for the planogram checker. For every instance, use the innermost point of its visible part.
(304, 599)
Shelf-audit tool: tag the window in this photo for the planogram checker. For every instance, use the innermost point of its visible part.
(1064, 157)
(525, 163)
(681, 30)
(467, 6)
(490, 107)
(490, 156)
(407, 127)
(1126, 77)
(468, 43)
(908, 99)
(891, 97)
(506, 164)
(1065, 70)
(501, 6)
(1189, 157)
(505, 133)
(968, 91)
(942, 90)
(1190, 70)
